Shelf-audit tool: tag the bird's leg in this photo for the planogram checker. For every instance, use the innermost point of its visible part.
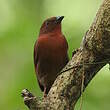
(44, 94)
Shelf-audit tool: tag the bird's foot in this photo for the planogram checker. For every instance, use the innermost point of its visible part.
(44, 95)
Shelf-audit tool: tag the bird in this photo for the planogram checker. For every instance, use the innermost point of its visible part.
(50, 53)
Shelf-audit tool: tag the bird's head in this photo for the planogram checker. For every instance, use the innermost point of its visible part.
(51, 25)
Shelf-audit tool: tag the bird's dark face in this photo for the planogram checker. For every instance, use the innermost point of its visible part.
(52, 24)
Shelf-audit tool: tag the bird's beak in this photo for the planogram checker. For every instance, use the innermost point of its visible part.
(59, 19)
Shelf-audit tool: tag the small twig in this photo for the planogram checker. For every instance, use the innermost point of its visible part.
(79, 65)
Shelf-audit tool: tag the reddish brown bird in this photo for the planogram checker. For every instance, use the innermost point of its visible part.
(50, 52)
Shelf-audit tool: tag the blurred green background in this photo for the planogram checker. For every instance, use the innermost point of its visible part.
(20, 21)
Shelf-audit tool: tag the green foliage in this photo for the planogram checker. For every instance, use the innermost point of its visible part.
(19, 28)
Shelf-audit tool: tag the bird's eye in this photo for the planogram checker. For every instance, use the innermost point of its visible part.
(47, 23)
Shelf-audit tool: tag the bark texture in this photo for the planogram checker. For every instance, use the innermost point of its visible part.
(92, 55)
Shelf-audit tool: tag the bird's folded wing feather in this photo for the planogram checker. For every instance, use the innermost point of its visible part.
(36, 62)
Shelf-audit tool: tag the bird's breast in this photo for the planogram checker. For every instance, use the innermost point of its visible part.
(52, 46)
(52, 53)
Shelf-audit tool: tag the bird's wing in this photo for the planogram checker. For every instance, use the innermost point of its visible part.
(41, 86)
(36, 61)
(67, 59)
(35, 54)
(65, 41)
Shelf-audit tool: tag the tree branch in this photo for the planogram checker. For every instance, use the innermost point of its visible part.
(94, 48)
